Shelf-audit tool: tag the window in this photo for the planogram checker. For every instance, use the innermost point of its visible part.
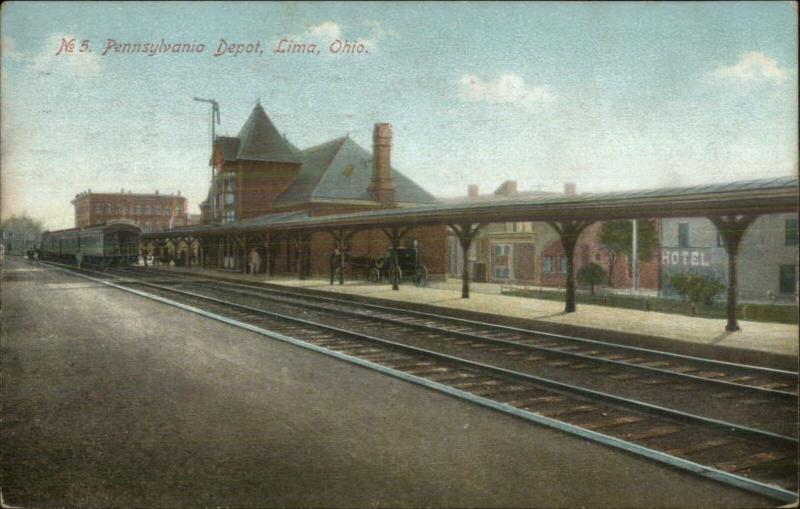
(720, 240)
(788, 279)
(230, 216)
(791, 232)
(98, 209)
(229, 199)
(148, 210)
(502, 249)
(229, 179)
(547, 266)
(683, 235)
(563, 265)
(501, 272)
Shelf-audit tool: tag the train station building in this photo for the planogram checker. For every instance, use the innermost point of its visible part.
(261, 178)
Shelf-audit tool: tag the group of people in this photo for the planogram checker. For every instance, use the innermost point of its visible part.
(253, 260)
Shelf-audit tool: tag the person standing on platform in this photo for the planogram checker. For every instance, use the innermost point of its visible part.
(255, 261)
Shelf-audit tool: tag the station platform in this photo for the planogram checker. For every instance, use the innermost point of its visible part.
(763, 343)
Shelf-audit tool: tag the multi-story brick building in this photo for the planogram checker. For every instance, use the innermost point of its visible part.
(151, 212)
(259, 176)
(531, 252)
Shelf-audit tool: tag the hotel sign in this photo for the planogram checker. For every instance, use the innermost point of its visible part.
(685, 257)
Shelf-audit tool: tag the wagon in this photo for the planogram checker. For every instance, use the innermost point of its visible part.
(367, 266)
(409, 266)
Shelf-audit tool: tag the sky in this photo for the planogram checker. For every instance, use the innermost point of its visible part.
(610, 96)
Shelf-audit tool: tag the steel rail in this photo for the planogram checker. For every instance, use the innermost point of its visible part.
(518, 330)
(574, 389)
(753, 486)
(507, 328)
(513, 344)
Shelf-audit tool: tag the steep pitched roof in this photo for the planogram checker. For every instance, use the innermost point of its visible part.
(259, 140)
(341, 169)
(316, 161)
(229, 146)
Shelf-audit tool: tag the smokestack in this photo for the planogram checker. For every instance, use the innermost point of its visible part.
(472, 191)
(382, 186)
(569, 189)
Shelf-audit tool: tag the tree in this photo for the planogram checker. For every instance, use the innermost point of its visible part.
(591, 274)
(22, 225)
(696, 288)
(617, 238)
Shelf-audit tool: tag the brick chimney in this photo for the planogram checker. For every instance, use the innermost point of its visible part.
(382, 186)
(472, 190)
(569, 189)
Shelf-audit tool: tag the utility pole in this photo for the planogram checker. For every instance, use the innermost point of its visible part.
(635, 255)
(214, 117)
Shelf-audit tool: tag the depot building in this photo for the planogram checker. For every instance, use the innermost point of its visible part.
(260, 177)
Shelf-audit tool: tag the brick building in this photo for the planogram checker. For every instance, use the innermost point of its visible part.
(531, 252)
(259, 177)
(151, 212)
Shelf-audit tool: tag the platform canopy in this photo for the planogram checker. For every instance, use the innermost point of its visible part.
(752, 197)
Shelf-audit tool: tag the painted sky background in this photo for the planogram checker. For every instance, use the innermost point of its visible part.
(610, 96)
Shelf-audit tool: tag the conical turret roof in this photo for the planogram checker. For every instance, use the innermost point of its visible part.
(259, 140)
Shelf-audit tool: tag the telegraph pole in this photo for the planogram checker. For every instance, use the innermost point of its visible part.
(635, 255)
(214, 119)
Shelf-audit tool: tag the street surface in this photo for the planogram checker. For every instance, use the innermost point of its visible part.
(112, 400)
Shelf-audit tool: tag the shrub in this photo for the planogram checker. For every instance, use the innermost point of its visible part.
(696, 288)
(591, 274)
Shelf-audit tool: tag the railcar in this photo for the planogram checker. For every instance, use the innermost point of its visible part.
(112, 244)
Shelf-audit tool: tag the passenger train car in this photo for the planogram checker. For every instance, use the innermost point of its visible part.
(111, 244)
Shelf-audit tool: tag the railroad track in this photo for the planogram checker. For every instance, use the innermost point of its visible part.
(693, 385)
(753, 459)
(781, 384)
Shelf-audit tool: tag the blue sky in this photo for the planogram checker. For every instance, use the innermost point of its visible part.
(606, 95)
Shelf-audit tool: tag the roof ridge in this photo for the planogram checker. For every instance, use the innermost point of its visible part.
(319, 145)
(341, 141)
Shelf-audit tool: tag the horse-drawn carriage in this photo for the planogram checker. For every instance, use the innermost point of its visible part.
(409, 266)
(377, 269)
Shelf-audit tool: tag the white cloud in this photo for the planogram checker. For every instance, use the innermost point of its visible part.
(8, 47)
(76, 63)
(752, 67)
(506, 89)
(327, 32)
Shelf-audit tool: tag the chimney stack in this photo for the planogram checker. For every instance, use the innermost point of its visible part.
(569, 189)
(382, 186)
(472, 191)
